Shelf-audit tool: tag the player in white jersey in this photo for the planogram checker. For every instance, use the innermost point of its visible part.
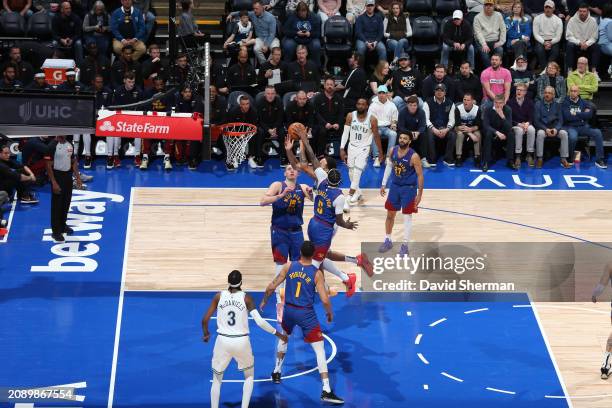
(233, 307)
(359, 129)
(606, 279)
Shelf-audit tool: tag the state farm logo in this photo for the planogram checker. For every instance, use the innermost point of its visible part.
(107, 126)
(147, 127)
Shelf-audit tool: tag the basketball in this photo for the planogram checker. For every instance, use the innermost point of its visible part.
(294, 130)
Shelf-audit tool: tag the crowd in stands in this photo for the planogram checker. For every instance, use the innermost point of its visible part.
(507, 79)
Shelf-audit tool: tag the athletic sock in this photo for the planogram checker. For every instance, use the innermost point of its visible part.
(277, 270)
(215, 390)
(331, 267)
(607, 361)
(278, 365)
(407, 227)
(388, 236)
(350, 259)
(326, 386)
(247, 388)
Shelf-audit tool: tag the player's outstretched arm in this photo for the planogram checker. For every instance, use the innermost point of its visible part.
(320, 286)
(345, 135)
(264, 325)
(290, 156)
(606, 276)
(272, 194)
(418, 168)
(307, 190)
(211, 310)
(339, 210)
(273, 285)
(309, 152)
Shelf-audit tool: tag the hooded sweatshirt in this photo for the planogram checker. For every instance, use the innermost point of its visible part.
(582, 31)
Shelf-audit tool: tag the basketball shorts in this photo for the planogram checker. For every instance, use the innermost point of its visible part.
(401, 197)
(320, 234)
(286, 244)
(358, 156)
(306, 319)
(228, 348)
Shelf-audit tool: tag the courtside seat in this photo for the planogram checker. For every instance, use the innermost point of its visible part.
(39, 26)
(13, 24)
(418, 6)
(446, 7)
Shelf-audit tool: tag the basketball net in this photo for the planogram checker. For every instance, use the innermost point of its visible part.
(236, 137)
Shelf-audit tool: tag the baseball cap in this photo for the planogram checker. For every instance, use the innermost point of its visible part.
(549, 3)
(440, 87)
(404, 56)
(489, 2)
(382, 88)
(370, 2)
(70, 73)
(521, 57)
(457, 14)
(40, 75)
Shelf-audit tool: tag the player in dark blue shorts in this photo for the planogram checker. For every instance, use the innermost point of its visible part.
(405, 192)
(606, 279)
(302, 280)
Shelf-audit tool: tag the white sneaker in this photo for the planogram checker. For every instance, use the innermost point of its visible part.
(131, 151)
(167, 164)
(356, 197)
(376, 162)
(216, 151)
(425, 163)
(144, 164)
(252, 163)
(347, 204)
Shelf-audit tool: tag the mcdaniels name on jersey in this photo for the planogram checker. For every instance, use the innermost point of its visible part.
(231, 302)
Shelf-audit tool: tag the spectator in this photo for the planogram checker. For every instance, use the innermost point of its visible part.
(23, 7)
(438, 77)
(182, 69)
(273, 71)
(8, 78)
(522, 75)
(103, 95)
(548, 121)
(457, 37)
(497, 125)
(380, 76)
(586, 81)
(547, 31)
(270, 120)
(522, 124)
(474, 7)
(292, 5)
(406, 82)
(537, 7)
(329, 116)
(605, 33)
(187, 102)
(468, 122)
(94, 64)
(440, 116)
(149, 18)
(397, 31)
(96, 28)
(66, 29)
(14, 176)
(467, 82)
(581, 35)
(302, 28)
(163, 102)
(299, 110)
(154, 66)
(354, 8)
(369, 32)
(552, 78)
(124, 64)
(411, 119)
(72, 85)
(125, 94)
(327, 9)
(355, 84)
(187, 27)
(242, 75)
(39, 84)
(245, 113)
(490, 32)
(24, 71)
(518, 30)
(495, 80)
(128, 28)
(576, 114)
(241, 36)
(386, 113)
(265, 30)
(304, 73)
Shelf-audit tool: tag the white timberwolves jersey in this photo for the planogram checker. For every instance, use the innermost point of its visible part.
(361, 132)
(232, 314)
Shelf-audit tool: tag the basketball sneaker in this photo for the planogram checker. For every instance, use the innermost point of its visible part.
(605, 373)
(350, 284)
(276, 379)
(87, 163)
(364, 262)
(144, 163)
(386, 246)
(167, 164)
(252, 163)
(117, 161)
(403, 250)
(331, 398)
(355, 198)
(109, 163)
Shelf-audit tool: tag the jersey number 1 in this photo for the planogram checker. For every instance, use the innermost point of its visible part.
(297, 290)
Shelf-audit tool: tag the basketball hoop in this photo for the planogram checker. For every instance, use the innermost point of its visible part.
(236, 137)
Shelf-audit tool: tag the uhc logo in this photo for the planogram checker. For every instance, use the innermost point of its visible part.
(25, 111)
(107, 126)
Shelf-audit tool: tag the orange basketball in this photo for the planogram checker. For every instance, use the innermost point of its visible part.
(295, 129)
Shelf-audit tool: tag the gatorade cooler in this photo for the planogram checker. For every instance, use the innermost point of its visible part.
(55, 70)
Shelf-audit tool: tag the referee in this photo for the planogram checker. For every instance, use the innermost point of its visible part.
(61, 163)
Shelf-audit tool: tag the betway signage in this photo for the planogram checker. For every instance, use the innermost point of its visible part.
(149, 125)
(49, 110)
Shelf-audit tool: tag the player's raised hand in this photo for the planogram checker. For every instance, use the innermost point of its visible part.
(383, 191)
(288, 143)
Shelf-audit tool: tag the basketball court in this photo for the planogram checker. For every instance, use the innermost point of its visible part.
(118, 315)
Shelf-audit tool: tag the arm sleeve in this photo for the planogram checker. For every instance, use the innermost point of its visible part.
(387, 173)
(385, 24)
(408, 28)
(265, 326)
(339, 204)
(320, 174)
(345, 136)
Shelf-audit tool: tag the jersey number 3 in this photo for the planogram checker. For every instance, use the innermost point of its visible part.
(232, 318)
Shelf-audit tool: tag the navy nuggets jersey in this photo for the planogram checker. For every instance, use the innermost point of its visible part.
(324, 202)
(403, 173)
(300, 285)
(287, 212)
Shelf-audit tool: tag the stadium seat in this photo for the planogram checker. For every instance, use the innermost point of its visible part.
(446, 7)
(39, 26)
(238, 5)
(425, 36)
(337, 39)
(232, 99)
(418, 6)
(12, 24)
(288, 97)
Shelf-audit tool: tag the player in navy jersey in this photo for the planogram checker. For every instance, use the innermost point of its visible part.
(404, 168)
(302, 280)
(286, 236)
(606, 278)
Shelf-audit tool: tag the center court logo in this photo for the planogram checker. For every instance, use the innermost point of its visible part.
(107, 126)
